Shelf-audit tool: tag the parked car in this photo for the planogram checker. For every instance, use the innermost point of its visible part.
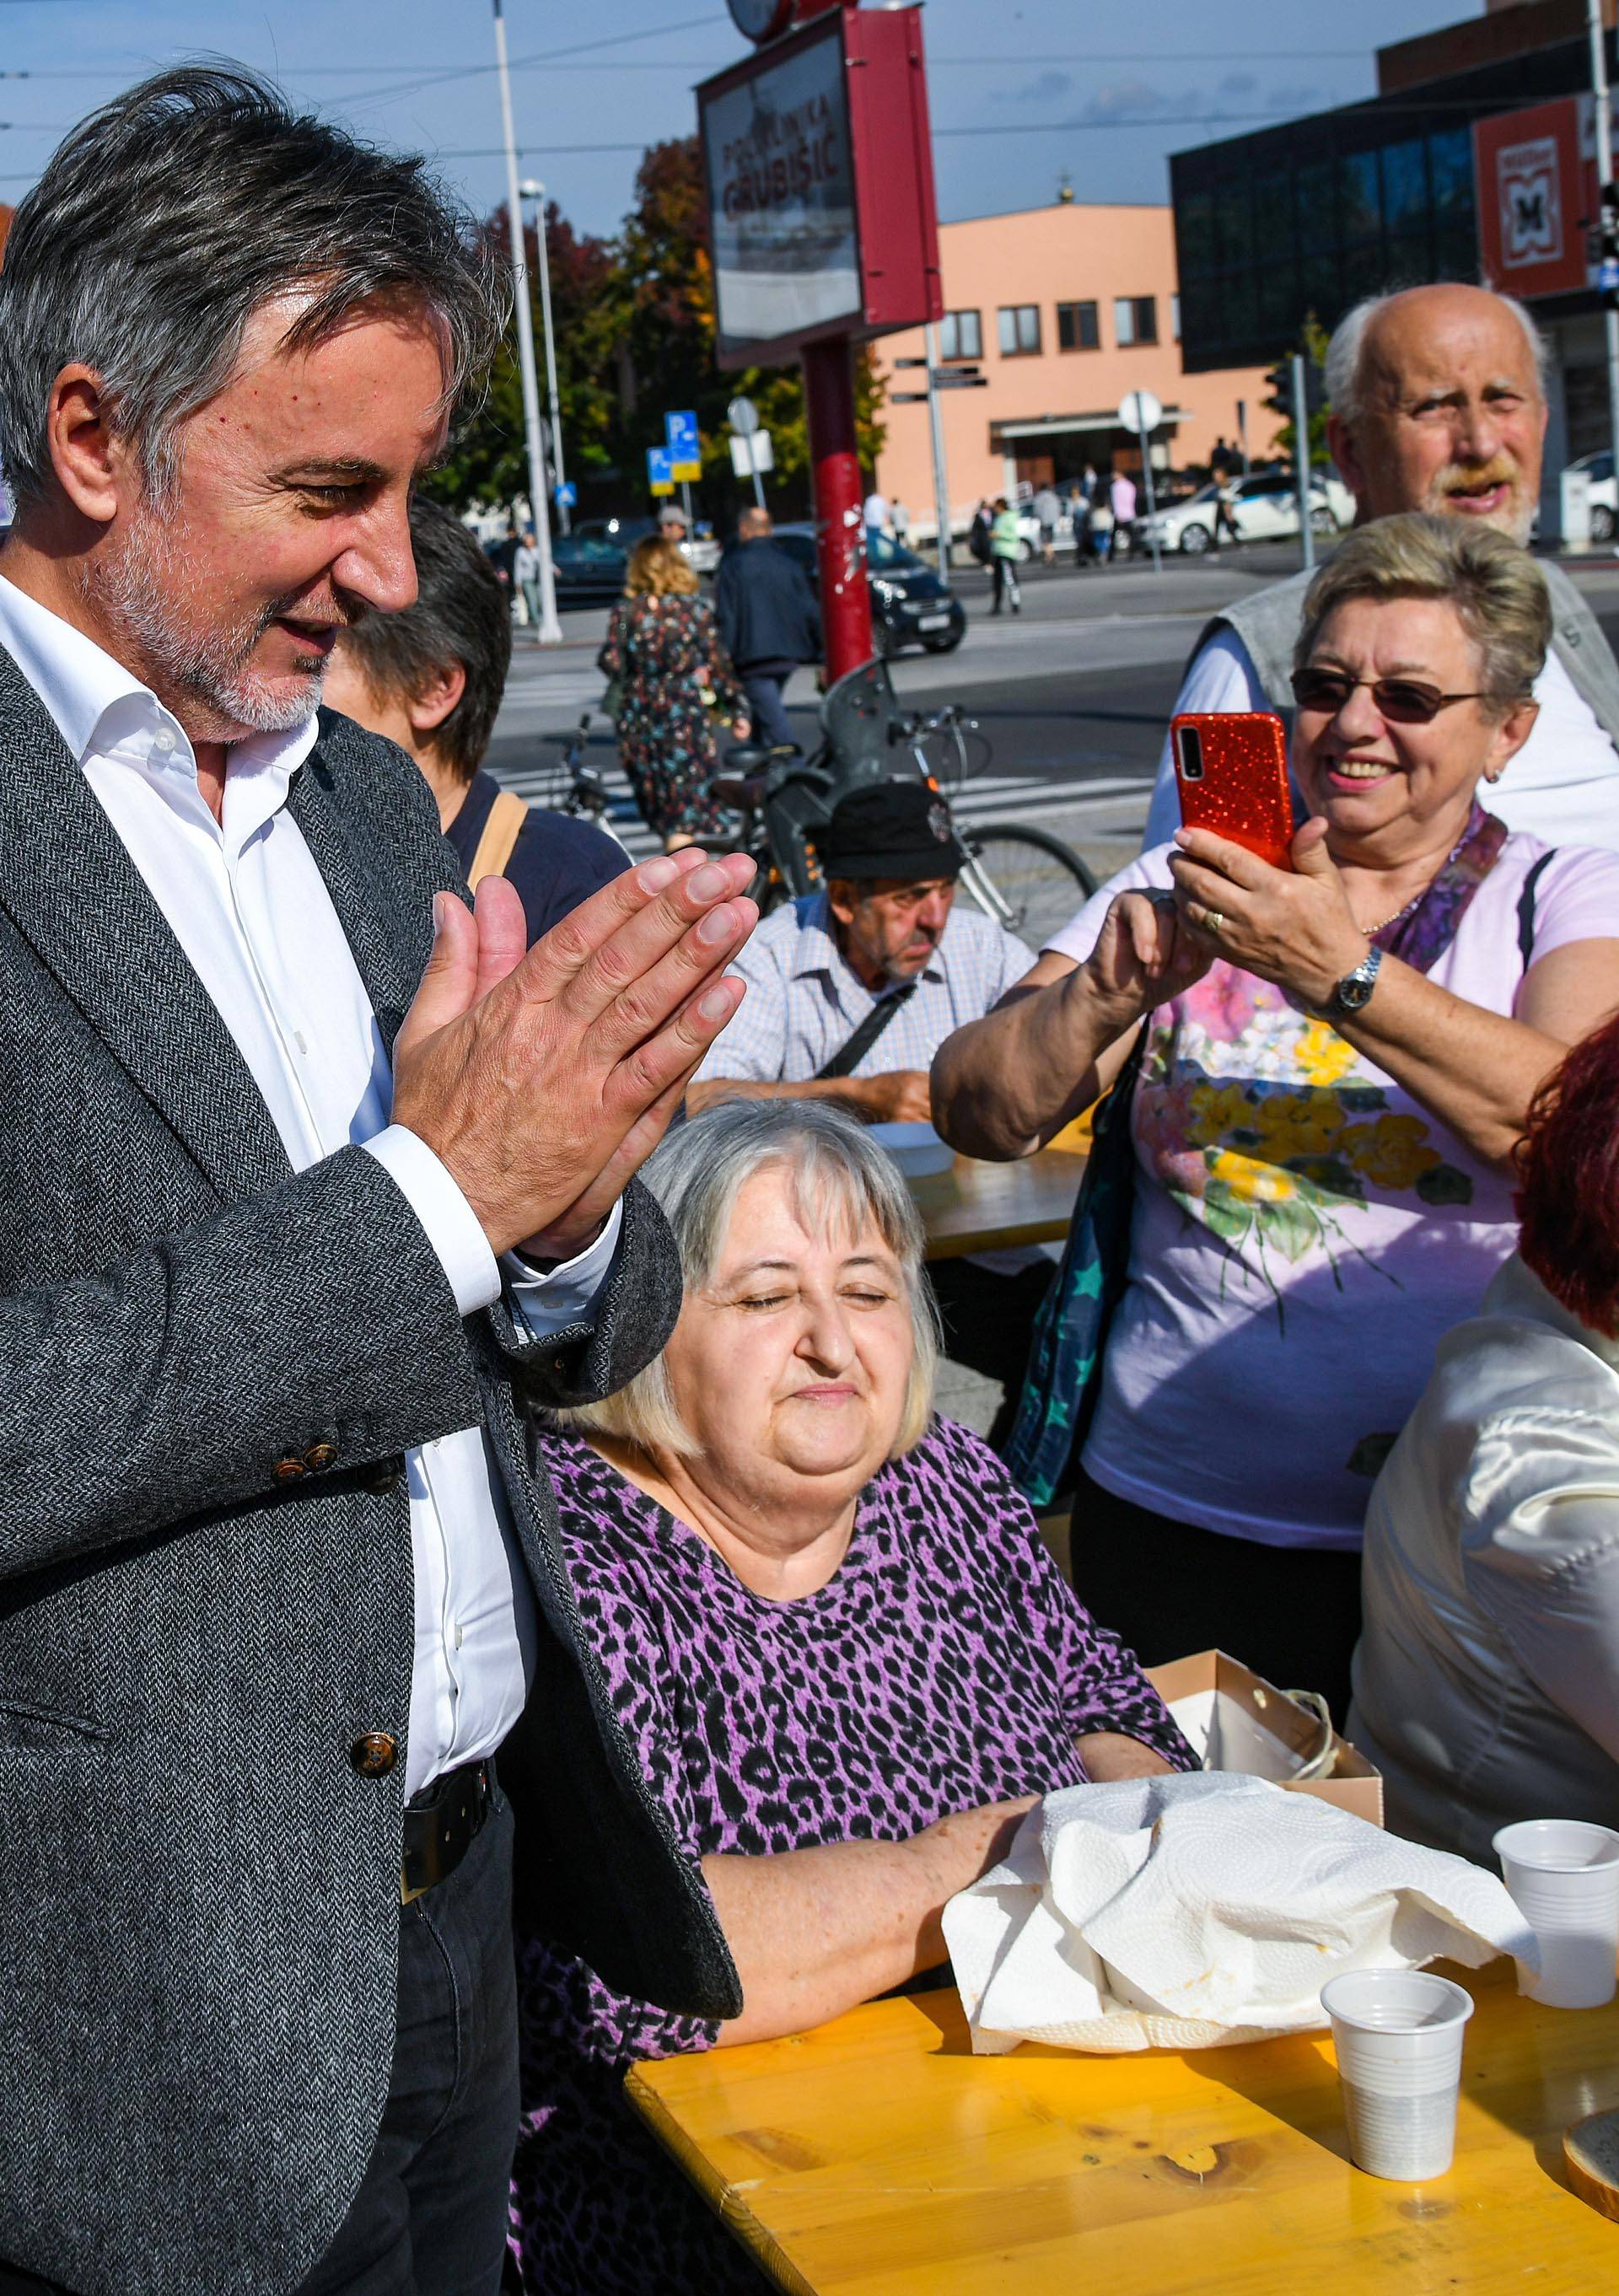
(590, 565)
(1029, 531)
(910, 605)
(1263, 507)
(700, 551)
(1599, 467)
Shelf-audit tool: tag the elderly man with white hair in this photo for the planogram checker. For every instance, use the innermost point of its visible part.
(1438, 404)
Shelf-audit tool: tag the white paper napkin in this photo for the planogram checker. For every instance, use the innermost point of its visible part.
(1179, 1912)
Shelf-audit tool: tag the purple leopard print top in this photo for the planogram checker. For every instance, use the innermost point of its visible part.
(947, 1664)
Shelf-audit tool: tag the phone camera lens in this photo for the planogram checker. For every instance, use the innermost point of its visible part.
(1191, 754)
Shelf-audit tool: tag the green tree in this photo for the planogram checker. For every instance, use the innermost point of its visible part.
(1313, 346)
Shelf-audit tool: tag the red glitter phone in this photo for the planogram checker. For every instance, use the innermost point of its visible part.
(1232, 770)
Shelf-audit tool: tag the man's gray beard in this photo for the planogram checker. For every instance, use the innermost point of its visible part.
(208, 665)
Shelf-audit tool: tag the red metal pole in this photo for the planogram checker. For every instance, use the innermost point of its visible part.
(839, 506)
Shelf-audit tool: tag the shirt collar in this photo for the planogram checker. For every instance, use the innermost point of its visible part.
(99, 706)
(817, 950)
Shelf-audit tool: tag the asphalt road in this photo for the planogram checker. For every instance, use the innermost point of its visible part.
(1072, 695)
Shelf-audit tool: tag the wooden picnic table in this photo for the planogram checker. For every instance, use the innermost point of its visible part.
(877, 2157)
(976, 1207)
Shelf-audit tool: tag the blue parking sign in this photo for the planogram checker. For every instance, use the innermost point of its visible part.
(660, 470)
(684, 446)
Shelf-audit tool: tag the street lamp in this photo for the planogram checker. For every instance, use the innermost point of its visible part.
(550, 628)
(537, 192)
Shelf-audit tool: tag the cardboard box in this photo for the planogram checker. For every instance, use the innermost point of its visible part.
(1237, 1721)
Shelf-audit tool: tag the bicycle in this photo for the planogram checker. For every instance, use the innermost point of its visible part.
(1028, 881)
(577, 789)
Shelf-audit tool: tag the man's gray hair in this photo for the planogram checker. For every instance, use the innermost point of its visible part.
(170, 216)
(1345, 351)
(838, 1178)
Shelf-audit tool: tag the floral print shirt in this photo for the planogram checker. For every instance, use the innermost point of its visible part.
(1304, 1231)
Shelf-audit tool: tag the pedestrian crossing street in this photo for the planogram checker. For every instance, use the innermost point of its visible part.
(1111, 805)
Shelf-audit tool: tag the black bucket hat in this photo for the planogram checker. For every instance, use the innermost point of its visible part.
(893, 829)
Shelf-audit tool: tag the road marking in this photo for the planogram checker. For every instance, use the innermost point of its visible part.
(993, 796)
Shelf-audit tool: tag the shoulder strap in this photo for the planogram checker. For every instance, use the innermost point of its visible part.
(849, 1054)
(499, 842)
(1525, 907)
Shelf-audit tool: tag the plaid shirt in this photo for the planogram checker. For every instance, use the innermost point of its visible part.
(805, 1003)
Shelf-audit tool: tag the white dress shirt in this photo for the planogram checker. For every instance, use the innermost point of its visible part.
(1562, 786)
(251, 910)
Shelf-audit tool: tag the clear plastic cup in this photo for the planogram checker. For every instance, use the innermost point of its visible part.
(1563, 1875)
(1398, 2037)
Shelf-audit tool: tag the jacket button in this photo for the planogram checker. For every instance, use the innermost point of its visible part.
(374, 1754)
(384, 1476)
(319, 1455)
(288, 1471)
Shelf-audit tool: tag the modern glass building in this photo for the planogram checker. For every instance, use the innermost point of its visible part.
(1304, 219)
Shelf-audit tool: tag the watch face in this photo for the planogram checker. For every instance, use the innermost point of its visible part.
(1354, 993)
(761, 20)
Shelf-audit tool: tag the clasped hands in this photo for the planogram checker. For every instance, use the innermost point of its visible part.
(543, 1077)
(1294, 927)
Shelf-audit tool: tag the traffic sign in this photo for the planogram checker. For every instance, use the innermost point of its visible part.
(751, 451)
(684, 447)
(1141, 412)
(660, 471)
(742, 416)
(565, 495)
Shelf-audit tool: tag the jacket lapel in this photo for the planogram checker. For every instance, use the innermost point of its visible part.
(371, 923)
(73, 893)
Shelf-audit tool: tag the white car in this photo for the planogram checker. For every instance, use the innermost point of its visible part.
(1263, 507)
(1603, 506)
(1029, 531)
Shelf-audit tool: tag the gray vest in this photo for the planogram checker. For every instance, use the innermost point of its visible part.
(1268, 624)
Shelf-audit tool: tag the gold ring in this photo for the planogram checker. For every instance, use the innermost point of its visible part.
(1213, 922)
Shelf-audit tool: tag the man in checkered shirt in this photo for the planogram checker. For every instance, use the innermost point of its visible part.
(851, 992)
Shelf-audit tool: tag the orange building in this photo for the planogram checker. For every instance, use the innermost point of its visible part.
(1065, 308)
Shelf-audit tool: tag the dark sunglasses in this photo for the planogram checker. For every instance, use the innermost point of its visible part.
(1402, 700)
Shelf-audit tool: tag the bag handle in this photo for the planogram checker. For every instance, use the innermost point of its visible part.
(854, 1049)
(499, 842)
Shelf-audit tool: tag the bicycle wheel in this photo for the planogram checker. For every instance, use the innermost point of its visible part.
(1034, 877)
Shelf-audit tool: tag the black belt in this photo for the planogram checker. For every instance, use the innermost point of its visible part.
(441, 1823)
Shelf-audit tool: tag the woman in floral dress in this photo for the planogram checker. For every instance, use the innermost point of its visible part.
(1340, 1057)
(675, 679)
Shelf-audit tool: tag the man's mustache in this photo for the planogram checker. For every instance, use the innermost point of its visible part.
(341, 609)
(1474, 478)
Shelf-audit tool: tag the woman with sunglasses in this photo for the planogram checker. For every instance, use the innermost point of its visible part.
(1339, 1057)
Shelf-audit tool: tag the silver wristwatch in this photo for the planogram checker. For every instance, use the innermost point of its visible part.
(1353, 993)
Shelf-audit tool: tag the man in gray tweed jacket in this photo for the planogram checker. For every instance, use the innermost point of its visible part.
(314, 1180)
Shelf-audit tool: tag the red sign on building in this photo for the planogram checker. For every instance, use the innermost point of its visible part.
(1536, 195)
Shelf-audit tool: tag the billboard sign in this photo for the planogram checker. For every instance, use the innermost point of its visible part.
(1534, 198)
(820, 187)
(787, 258)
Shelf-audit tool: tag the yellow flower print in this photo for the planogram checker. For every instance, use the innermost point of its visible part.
(1323, 1057)
(1217, 1109)
(1394, 1152)
(1254, 1183)
(1298, 1123)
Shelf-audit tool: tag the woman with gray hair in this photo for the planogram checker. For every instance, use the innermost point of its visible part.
(829, 1623)
(1336, 1059)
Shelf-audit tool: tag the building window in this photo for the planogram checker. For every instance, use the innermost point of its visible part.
(1136, 320)
(1020, 330)
(1079, 327)
(960, 336)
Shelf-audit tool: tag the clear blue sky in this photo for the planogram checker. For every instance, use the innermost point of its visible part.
(1045, 79)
